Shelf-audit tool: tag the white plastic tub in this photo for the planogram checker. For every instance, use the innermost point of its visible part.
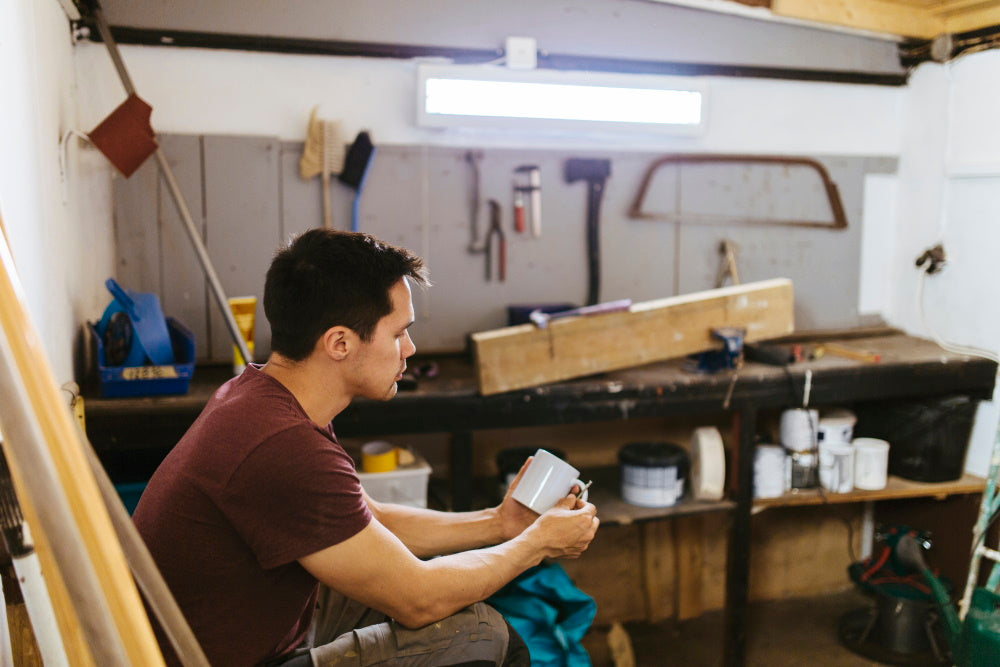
(406, 485)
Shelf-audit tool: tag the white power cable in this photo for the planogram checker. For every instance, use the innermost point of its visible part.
(63, 143)
(966, 350)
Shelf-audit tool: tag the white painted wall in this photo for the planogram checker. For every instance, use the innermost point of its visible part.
(950, 193)
(60, 234)
(225, 92)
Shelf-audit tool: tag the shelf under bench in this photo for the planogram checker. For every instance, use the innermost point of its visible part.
(896, 488)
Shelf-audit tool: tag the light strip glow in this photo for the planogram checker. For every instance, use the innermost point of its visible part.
(556, 101)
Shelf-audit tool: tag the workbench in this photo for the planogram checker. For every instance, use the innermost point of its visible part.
(450, 403)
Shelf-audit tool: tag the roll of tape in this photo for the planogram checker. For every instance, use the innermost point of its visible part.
(708, 464)
(378, 456)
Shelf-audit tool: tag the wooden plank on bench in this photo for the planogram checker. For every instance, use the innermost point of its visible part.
(526, 356)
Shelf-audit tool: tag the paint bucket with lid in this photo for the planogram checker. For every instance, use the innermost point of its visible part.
(836, 427)
(798, 429)
(768, 471)
(871, 463)
(653, 473)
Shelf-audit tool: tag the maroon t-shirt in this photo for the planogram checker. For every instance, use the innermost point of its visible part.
(252, 486)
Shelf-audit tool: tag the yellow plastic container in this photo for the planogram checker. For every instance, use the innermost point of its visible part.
(244, 310)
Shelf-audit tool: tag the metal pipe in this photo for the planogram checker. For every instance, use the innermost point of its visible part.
(553, 61)
(192, 231)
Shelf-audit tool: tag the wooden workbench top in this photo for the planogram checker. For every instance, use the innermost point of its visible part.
(908, 367)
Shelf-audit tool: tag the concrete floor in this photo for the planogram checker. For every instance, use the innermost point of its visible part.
(785, 633)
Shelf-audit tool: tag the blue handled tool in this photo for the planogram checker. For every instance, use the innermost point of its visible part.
(148, 323)
(356, 164)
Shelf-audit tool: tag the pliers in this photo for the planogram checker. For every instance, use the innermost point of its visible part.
(496, 230)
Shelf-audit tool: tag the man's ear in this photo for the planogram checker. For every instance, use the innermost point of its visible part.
(337, 342)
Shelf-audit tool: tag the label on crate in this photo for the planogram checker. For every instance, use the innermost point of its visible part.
(149, 373)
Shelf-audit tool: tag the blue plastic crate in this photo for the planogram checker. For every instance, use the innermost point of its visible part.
(121, 381)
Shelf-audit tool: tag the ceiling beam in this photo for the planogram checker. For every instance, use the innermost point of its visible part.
(875, 15)
(973, 18)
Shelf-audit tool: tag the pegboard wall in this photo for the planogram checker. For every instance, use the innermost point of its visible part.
(247, 198)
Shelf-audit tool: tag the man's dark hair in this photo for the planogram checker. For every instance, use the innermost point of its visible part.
(326, 278)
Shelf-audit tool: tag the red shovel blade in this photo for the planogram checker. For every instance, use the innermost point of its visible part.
(125, 137)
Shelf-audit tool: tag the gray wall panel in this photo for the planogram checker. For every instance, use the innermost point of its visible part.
(184, 293)
(242, 229)
(137, 233)
(418, 197)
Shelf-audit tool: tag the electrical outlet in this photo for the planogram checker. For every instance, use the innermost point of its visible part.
(935, 259)
(522, 53)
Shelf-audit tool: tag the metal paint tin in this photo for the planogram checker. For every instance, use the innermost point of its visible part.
(653, 473)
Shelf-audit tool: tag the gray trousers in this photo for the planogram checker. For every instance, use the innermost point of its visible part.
(346, 633)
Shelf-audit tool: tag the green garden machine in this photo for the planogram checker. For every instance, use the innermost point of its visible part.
(974, 629)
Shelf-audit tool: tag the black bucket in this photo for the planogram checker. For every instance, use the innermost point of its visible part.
(928, 438)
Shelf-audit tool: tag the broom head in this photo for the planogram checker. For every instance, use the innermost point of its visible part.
(324, 148)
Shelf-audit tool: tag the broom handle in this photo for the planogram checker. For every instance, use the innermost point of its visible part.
(206, 262)
(178, 196)
(327, 222)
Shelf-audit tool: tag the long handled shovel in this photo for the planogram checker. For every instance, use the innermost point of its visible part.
(182, 209)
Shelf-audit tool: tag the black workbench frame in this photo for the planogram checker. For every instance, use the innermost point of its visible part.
(909, 368)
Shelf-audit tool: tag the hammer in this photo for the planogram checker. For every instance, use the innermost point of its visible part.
(595, 173)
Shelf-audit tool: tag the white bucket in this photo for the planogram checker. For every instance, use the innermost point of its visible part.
(798, 429)
(768, 471)
(836, 467)
(871, 463)
(836, 427)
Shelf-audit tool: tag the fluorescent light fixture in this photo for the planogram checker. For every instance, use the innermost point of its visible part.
(543, 99)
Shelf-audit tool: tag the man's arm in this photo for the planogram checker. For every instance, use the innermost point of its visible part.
(375, 568)
(430, 533)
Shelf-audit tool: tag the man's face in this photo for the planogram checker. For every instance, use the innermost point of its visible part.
(382, 360)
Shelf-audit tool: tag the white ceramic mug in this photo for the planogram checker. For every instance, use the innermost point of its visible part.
(547, 480)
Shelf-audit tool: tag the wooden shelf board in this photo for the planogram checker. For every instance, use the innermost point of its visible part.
(606, 495)
(896, 488)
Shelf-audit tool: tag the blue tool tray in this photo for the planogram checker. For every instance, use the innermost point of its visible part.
(122, 381)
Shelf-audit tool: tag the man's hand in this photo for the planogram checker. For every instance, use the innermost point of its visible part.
(513, 516)
(568, 528)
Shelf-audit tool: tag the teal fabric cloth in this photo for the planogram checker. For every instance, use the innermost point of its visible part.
(550, 613)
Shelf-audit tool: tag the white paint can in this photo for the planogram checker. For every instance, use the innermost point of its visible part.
(836, 467)
(798, 429)
(653, 473)
(768, 471)
(836, 427)
(871, 463)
